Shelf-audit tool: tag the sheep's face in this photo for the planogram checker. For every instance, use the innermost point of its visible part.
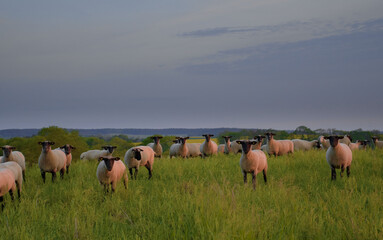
(259, 138)
(334, 140)
(46, 145)
(317, 144)
(246, 145)
(269, 136)
(67, 148)
(137, 153)
(208, 136)
(227, 138)
(156, 139)
(7, 150)
(110, 149)
(109, 162)
(375, 139)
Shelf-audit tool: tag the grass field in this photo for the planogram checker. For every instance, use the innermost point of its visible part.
(205, 199)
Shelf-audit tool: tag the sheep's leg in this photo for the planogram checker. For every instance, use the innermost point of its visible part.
(131, 173)
(18, 190)
(113, 185)
(150, 170)
(254, 179)
(341, 170)
(11, 194)
(125, 180)
(264, 176)
(53, 176)
(333, 173)
(105, 188)
(43, 176)
(244, 177)
(62, 171)
(135, 173)
(348, 171)
(2, 203)
(67, 170)
(24, 176)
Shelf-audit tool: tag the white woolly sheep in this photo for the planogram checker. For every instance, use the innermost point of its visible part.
(17, 173)
(338, 155)
(377, 143)
(346, 139)
(235, 147)
(96, 154)
(364, 144)
(15, 156)
(303, 145)
(278, 147)
(139, 156)
(67, 149)
(110, 171)
(356, 146)
(258, 144)
(156, 146)
(7, 184)
(51, 161)
(252, 161)
(225, 148)
(208, 147)
(179, 149)
(325, 144)
(193, 149)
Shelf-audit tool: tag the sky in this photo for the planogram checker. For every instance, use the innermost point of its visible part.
(192, 64)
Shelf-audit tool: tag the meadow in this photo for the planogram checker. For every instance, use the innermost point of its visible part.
(205, 199)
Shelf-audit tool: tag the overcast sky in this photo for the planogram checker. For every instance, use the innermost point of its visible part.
(212, 63)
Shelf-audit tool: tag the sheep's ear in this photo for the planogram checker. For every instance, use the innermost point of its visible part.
(326, 137)
(72, 147)
(204, 135)
(340, 137)
(62, 146)
(160, 137)
(139, 149)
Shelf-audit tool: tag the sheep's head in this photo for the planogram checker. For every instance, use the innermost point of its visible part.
(259, 138)
(334, 140)
(46, 145)
(109, 162)
(208, 136)
(374, 139)
(317, 144)
(67, 148)
(269, 135)
(246, 145)
(109, 148)
(156, 139)
(227, 138)
(137, 153)
(7, 150)
(182, 140)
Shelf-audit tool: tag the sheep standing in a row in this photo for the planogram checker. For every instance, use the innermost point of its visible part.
(139, 156)
(278, 147)
(303, 145)
(338, 155)
(110, 171)
(377, 143)
(252, 161)
(96, 154)
(156, 146)
(179, 149)
(13, 156)
(67, 149)
(51, 161)
(208, 147)
(7, 184)
(17, 172)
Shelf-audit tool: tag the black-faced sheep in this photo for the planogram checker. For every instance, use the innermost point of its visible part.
(156, 146)
(14, 156)
(96, 154)
(67, 149)
(139, 156)
(278, 147)
(51, 160)
(110, 171)
(208, 147)
(338, 155)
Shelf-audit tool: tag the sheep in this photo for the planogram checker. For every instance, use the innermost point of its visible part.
(51, 160)
(346, 139)
(179, 149)
(259, 140)
(325, 144)
(7, 184)
(139, 156)
(110, 171)
(67, 149)
(17, 172)
(15, 156)
(225, 148)
(235, 147)
(356, 146)
(252, 161)
(96, 154)
(278, 147)
(303, 145)
(221, 148)
(194, 149)
(156, 146)
(364, 144)
(208, 147)
(338, 155)
(377, 143)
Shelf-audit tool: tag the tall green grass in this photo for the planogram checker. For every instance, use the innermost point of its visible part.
(205, 199)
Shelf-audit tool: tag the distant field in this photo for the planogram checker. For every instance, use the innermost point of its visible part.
(205, 199)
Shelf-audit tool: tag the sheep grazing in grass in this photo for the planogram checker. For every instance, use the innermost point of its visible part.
(7, 184)
(208, 147)
(278, 147)
(194, 149)
(338, 155)
(67, 149)
(96, 154)
(259, 140)
(252, 161)
(156, 146)
(235, 147)
(346, 139)
(17, 173)
(139, 156)
(179, 149)
(377, 143)
(51, 161)
(303, 145)
(13, 156)
(324, 143)
(110, 171)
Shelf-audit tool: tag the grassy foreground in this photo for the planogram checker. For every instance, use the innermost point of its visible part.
(205, 199)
